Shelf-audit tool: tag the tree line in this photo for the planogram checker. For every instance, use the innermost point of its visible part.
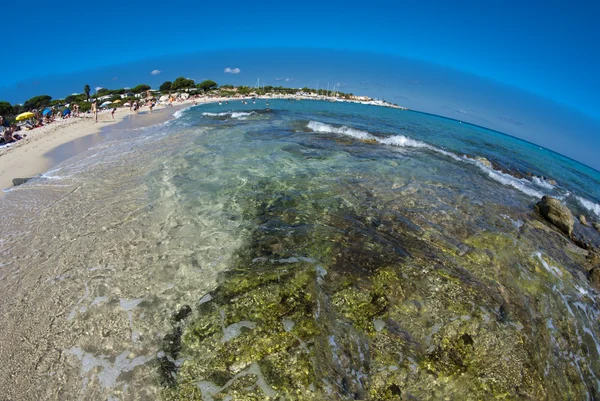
(181, 83)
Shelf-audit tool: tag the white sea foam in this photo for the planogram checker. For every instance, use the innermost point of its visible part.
(394, 140)
(591, 206)
(542, 183)
(240, 115)
(179, 113)
(343, 130)
(521, 185)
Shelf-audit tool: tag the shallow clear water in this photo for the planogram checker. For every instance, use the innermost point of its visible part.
(482, 298)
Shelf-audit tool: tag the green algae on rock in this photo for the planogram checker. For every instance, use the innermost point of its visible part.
(329, 300)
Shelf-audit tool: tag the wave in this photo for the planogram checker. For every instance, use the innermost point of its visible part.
(591, 206)
(540, 182)
(179, 113)
(394, 140)
(240, 115)
(521, 185)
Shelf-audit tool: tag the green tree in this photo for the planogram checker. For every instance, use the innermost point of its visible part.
(17, 109)
(243, 90)
(37, 102)
(166, 86)
(227, 86)
(86, 90)
(75, 98)
(140, 88)
(85, 107)
(103, 91)
(182, 83)
(207, 85)
(5, 109)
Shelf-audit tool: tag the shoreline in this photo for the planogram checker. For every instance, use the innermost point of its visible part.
(40, 152)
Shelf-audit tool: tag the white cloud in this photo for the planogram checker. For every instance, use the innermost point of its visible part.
(155, 72)
(98, 88)
(232, 70)
(284, 79)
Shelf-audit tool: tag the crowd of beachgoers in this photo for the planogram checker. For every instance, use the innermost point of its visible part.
(13, 131)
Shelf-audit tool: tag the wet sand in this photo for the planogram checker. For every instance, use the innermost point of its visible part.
(46, 147)
(72, 148)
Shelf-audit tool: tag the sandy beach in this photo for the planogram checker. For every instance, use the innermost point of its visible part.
(29, 156)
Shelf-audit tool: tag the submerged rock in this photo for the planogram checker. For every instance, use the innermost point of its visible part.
(20, 181)
(597, 226)
(182, 313)
(556, 213)
(583, 220)
(333, 301)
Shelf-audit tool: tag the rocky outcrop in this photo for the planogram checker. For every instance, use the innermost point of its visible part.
(597, 226)
(583, 220)
(556, 213)
(484, 161)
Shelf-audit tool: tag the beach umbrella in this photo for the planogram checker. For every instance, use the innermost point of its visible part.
(105, 104)
(25, 116)
(46, 112)
(117, 101)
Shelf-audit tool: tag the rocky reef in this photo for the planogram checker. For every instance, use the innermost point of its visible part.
(363, 299)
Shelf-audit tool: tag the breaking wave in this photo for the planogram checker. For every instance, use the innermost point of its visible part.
(521, 185)
(179, 113)
(240, 115)
(591, 206)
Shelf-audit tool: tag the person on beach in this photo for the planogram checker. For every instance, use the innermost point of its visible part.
(151, 105)
(7, 135)
(112, 113)
(136, 107)
(95, 109)
(4, 124)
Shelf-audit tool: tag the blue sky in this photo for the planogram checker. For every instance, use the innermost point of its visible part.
(549, 49)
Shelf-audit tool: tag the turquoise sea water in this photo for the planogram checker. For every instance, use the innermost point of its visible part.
(326, 251)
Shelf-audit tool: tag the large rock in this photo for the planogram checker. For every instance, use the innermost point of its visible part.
(556, 213)
(583, 220)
